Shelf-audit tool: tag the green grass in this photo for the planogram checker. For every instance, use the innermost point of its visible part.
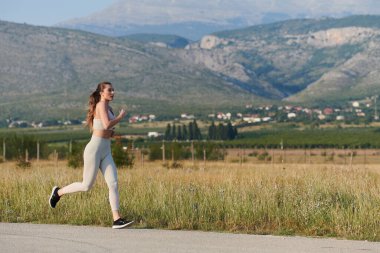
(67, 133)
(314, 200)
(311, 138)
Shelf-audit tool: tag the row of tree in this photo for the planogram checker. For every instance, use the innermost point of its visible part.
(192, 132)
(183, 132)
(222, 132)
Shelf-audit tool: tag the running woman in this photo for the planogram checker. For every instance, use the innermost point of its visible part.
(97, 154)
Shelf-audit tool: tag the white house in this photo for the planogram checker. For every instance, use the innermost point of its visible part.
(153, 134)
(355, 104)
(360, 114)
(252, 119)
(187, 116)
(266, 119)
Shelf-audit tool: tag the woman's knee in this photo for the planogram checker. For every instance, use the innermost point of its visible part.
(86, 187)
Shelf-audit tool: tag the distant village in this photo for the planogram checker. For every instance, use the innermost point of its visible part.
(355, 112)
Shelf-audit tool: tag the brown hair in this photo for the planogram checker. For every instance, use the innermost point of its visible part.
(93, 100)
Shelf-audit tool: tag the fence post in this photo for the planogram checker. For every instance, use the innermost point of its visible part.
(309, 155)
(224, 153)
(345, 156)
(352, 156)
(163, 151)
(70, 146)
(240, 156)
(38, 151)
(283, 154)
(204, 156)
(192, 152)
(172, 153)
(243, 160)
(4, 151)
(26, 155)
(305, 155)
(56, 157)
(142, 158)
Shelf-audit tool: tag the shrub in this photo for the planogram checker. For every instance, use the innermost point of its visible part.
(75, 158)
(176, 165)
(264, 157)
(121, 157)
(23, 164)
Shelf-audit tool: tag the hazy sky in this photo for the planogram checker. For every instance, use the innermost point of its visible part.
(48, 12)
(51, 12)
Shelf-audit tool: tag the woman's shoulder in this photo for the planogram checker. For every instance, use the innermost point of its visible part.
(101, 104)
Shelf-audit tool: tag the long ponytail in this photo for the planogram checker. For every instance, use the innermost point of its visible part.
(93, 101)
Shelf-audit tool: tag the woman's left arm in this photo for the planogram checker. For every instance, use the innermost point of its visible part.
(103, 113)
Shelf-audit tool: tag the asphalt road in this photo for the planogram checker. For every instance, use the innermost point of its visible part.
(21, 237)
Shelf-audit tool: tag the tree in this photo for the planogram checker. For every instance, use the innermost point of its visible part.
(235, 132)
(212, 131)
(179, 133)
(168, 132)
(220, 132)
(191, 131)
(174, 132)
(184, 132)
(230, 131)
(197, 131)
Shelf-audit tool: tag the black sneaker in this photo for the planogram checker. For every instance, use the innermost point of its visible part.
(121, 223)
(54, 197)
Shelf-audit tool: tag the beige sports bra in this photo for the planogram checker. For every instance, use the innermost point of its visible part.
(98, 125)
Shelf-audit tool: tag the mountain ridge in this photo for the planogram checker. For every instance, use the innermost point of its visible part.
(193, 19)
(50, 71)
(292, 55)
(57, 68)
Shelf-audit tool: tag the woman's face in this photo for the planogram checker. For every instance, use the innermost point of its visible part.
(108, 93)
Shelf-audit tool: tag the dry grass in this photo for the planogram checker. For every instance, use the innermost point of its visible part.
(291, 199)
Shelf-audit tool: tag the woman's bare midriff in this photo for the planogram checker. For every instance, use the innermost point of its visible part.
(107, 134)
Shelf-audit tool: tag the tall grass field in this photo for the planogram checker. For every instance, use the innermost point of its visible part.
(288, 199)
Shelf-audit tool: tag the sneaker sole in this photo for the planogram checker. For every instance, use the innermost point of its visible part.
(122, 226)
(51, 195)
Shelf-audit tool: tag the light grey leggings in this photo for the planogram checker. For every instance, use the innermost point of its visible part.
(97, 154)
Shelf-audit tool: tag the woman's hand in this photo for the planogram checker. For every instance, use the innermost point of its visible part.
(122, 113)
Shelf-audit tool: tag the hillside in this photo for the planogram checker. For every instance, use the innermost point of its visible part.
(298, 60)
(160, 40)
(49, 73)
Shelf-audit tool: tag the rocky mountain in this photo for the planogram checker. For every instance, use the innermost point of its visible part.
(49, 72)
(298, 60)
(193, 19)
